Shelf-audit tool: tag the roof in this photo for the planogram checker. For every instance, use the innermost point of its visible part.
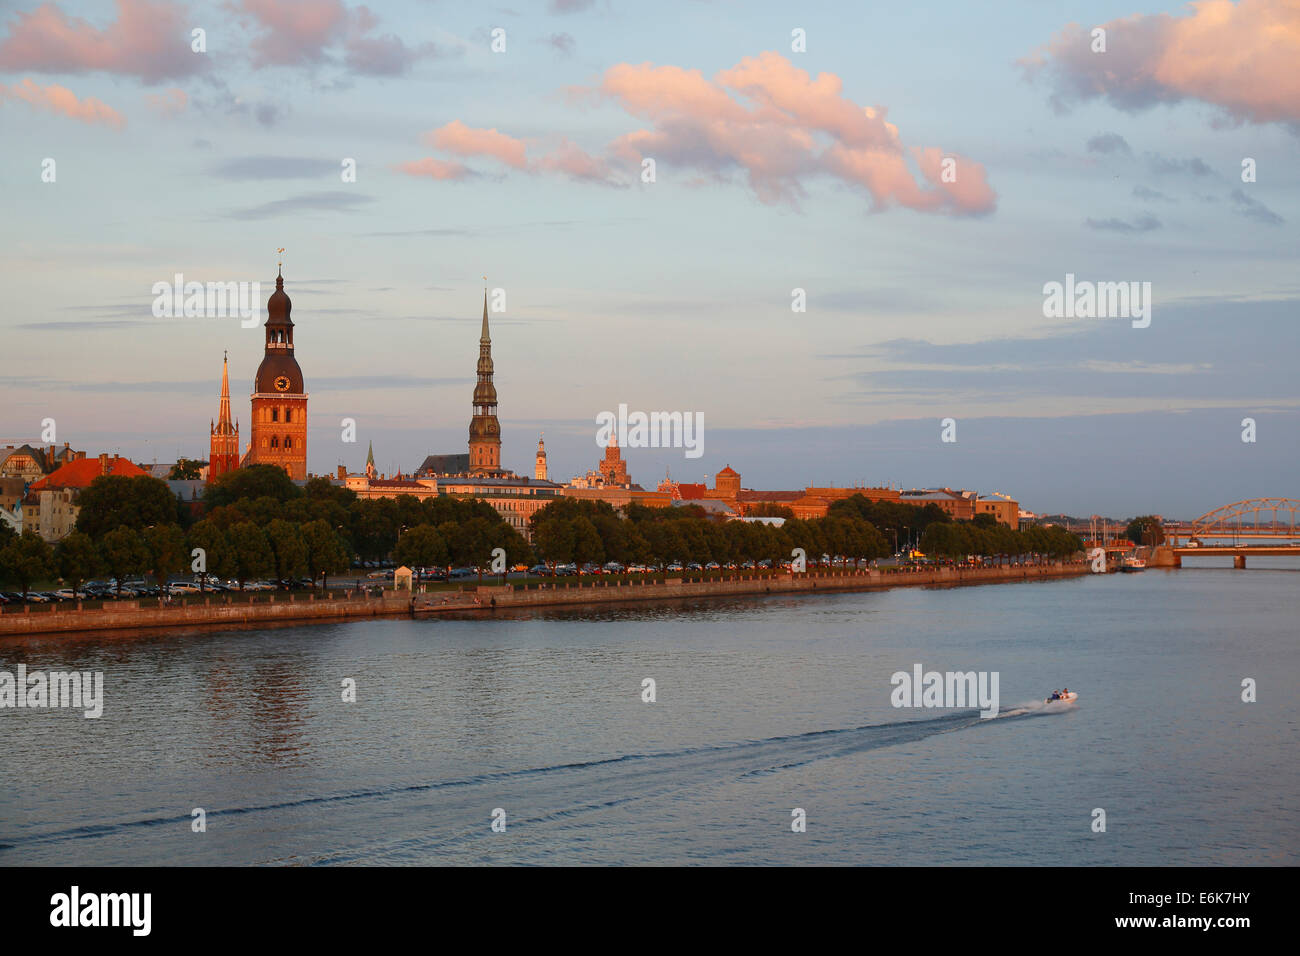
(693, 491)
(444, 465)
(80, 473)
(728, 472)
(746, 494)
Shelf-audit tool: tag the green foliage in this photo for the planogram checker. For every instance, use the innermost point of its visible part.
(422, 547)
(325, 551)
(288, 550)
(251, 482)
(215, 545)
(250, 553)
(185, 470)
(123, 554)
(1146, 529)
(115, 501)
(166, 546)
(76, 558)
(26, 558)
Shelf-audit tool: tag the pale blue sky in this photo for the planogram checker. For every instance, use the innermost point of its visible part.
(673, 295)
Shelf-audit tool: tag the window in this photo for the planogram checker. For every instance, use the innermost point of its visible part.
(275, 442)
(288, 442)
(288, 414)
(275, 414)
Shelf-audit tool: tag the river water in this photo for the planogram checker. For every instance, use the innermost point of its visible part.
(763, 706)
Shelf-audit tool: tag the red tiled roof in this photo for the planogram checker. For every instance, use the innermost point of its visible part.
(80, 473)
(692, 491)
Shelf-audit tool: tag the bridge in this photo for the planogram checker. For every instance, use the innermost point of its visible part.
(1271, 519)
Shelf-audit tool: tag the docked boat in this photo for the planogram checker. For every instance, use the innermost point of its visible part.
(1132, 564)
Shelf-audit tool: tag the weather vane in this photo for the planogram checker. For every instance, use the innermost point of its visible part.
(280, 252)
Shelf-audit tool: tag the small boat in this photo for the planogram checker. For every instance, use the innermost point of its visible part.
(1130, 565)
(1067, 697)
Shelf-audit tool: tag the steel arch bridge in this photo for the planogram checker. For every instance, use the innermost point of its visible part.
(1254, 517)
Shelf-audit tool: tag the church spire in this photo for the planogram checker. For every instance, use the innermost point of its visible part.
(223, 412)
(484, 429)
(370, 460)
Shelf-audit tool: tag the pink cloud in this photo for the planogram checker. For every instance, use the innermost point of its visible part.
(438, 169)
(150, 40)
(60, 100)
(1240, 57)
(781, 127)
(170, 102)
(456, 137)
(763, 118)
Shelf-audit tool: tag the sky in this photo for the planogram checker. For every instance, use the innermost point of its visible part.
(920, 171)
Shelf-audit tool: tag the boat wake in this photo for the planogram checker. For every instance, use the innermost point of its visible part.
(453, 812)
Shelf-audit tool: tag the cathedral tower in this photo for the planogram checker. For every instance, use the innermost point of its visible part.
(223, 443)
(279, 399)
(484, 429)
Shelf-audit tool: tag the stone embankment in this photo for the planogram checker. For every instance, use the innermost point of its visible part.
(230, 610)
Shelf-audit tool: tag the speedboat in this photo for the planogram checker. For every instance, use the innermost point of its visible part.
(1067, 697)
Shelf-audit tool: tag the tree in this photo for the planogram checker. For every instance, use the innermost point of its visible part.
(421, 547)
(1146, 529)
(116, 501)
(213, 546)
(325, 553)
(186, 470)
(587, 547)
(77, 559)
(166, 545)
(122, 553)
(26, 558)
(252, 481)
(553, 539)
(288, 551)
(250, 555)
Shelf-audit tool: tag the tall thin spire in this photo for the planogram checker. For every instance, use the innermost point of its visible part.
(224, 427)
(485, 337)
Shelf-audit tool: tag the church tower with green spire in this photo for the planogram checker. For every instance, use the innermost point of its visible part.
(370, 461)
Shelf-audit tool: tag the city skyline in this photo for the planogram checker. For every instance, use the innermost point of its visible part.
(922, 303)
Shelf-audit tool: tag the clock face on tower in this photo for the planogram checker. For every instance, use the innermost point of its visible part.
(282, 383)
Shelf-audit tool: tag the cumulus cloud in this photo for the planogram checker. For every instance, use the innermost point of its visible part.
(1239, 57)
(62, 101)
(764, 119)
(456, 137)
(303, 32)
(778, 126)
(149, 40)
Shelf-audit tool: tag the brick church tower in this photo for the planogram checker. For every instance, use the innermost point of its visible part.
(279, 399)
(484, 429)
(223, 444)
(540, 471)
